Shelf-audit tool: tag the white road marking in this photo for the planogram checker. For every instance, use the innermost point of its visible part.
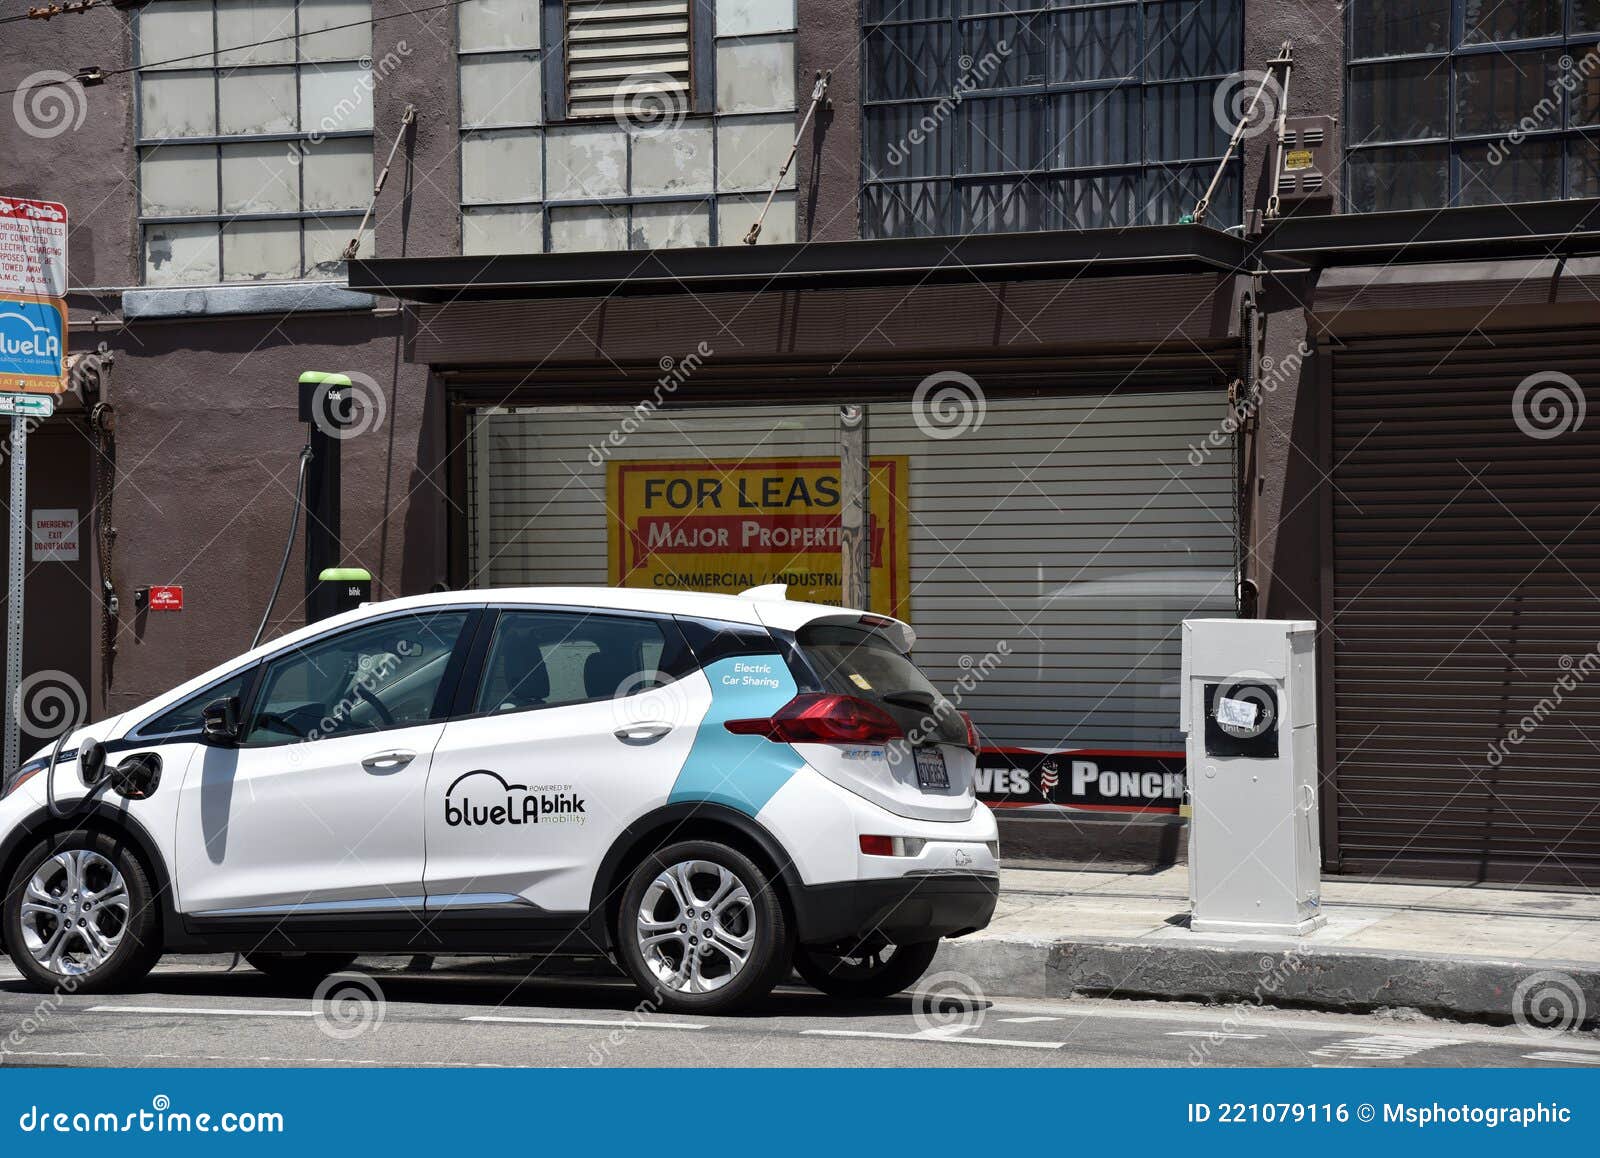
(624, 1024)
(931, 1037)
(201, 1012)
(1213, 1033)
(1558, 1055)
(1026, 1020)
(1382, 1047)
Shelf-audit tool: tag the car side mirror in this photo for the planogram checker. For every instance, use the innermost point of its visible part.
(219, 722)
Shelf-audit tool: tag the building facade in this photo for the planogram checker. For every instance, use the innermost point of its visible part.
(1078, 416)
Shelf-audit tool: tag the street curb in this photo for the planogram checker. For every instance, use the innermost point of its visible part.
(1305, 976)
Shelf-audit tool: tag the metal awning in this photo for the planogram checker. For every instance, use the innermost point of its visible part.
(1473, 232)
(1142, 250)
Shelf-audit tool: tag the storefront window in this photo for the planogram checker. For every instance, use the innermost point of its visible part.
(255, 137)
(1481, 105)
(990, 116)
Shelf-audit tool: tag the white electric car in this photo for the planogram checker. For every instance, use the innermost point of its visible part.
(708, 788)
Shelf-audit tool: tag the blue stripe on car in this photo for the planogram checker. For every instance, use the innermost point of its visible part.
(741, 772)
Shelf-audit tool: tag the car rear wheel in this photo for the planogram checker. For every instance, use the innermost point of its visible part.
(701, 929)
(80, 915)
(865, 974)
(299, 970)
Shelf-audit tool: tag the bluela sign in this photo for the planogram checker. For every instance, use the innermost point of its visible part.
(33, 342)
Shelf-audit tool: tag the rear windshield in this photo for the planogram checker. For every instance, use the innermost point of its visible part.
(857, 662)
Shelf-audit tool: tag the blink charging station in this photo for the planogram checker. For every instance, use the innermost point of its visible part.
(1249, 711)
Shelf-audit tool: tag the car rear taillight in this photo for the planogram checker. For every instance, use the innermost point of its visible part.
(973, 743)
(823, 718)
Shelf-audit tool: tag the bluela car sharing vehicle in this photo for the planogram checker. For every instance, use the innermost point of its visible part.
(708, 788)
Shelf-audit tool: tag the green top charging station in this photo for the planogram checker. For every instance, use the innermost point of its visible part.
(344, 588)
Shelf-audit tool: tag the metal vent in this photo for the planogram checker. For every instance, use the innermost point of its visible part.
(622, 52)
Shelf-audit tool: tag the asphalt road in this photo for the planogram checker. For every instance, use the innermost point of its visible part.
(188, 1014)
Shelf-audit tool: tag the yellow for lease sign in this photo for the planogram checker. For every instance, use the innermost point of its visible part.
(692, 525)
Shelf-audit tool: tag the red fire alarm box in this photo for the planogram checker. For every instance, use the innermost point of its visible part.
(166, 598)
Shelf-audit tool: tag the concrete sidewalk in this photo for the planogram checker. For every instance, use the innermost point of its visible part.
(1447, 951)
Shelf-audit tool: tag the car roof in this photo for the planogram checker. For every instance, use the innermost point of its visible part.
(764, 606)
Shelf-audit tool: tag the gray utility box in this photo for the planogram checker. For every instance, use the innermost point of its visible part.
(1250, 714)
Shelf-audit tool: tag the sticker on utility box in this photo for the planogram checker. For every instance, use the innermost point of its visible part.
(169, 598)
(1236, 713)
(1298, 159)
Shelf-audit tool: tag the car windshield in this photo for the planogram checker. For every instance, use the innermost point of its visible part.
(857, 662)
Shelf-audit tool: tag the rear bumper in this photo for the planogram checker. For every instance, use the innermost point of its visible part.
(906, 909)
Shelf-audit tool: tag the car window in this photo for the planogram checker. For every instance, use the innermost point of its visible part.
(542, 658)
(185, 716)
(856, 662)
(381, 675)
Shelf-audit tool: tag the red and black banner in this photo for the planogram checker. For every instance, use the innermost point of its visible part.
(1099, 779)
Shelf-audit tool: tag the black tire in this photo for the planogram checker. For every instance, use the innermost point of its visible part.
(762, 920)
(879, 973)
(299, 970)
(137, 947)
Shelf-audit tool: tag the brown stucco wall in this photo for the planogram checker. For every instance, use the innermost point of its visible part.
(207, 443)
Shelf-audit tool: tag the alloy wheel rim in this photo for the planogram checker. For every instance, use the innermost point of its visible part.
(696, 926)
(74, 912)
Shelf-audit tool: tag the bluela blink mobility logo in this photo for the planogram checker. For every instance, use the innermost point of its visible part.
(482, 798)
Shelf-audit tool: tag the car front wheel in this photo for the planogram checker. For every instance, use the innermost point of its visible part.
(701, 929)
(865, 973)
(80, 915)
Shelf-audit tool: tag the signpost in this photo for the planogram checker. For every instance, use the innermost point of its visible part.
(33, 370)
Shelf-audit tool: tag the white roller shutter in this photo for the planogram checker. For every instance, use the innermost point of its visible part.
(1075, 531)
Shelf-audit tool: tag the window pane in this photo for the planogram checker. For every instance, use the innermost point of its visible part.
(1095, 127)
(735, 216)
(257, 100)
(908, 209)
(751, 150)
(382, 675)
(913, 140)
(500, 90)
(1003, 134)
(540, 659)
(586, 228)
(177, 104)
(755, 76)
(180, 254)
(349, 25)
(1171, 192)
(499, 24)
(1498, 175)
(1409, 178)
(1187, 38)
(259, 178)
(999, 205)
(1495, 91)
(670, 225)
(337, 174)
(1583, 167)
(906, 61)
(1001, 52)
(1398, 102)
(170, 29)
(261, 251)
(1180, 122)
(583, 163)
(185, 717)
(1399, 27)
(325, 239)
(501, 166)
(1583, 78)
(1091, 201)
(1487, 20)
(335, 98)
(515, 229)
(1585, 16)
(178, 180)
(674, 160)
(241, 22)
(1093, 43)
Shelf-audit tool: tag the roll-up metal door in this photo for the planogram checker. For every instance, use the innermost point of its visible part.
(1077, 532)
(1464, 618)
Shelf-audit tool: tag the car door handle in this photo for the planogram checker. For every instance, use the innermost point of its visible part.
(388, 761)
(638, 734)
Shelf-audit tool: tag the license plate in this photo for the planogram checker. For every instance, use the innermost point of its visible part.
(931, 772)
